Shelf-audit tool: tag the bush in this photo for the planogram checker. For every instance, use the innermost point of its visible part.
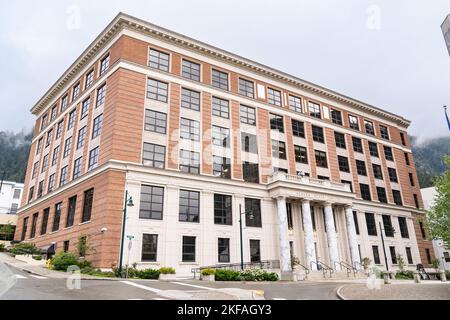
(257, 275)
(2, 247)
(227, 275)
(404, 275)
(37, 257)
(447, 275)
(25, 248)
(148, 274)
(62, 260)
(84, 264)
(208, 272)
(167, 270)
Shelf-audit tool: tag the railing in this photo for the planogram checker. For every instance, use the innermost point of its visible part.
(282, 176)
(304, 268)
(265, 264)
(346, 266)
(322, 267)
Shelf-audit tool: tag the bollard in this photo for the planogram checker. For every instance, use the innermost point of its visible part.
(417, 277)
(443, 276)
(387, 278)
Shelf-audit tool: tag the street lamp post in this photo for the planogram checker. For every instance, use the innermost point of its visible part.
(240, 230)
(128, 203)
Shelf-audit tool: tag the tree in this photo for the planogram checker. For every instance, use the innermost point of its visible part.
(439, 215)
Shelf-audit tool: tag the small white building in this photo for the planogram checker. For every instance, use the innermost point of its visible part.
(10, 197)
(441, 252)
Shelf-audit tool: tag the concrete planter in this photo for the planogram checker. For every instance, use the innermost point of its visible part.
(167, 277)
(210, 277)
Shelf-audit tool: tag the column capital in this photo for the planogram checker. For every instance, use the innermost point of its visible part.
(281, 198)
(305, 201)
(327, 203)
(348, 206)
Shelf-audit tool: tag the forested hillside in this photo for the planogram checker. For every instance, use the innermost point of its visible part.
(14, 150)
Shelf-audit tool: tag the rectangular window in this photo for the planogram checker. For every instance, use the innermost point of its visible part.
(45, 221)
(371, 224)
(219, 79)
(85, 108)
(40, 189)
(253, 212)
(376, 255)
(392, 175)
(57, 217)
(295, 103)
(190, 129)
(66, 246)
(155, 121)
(189, 161)
(152, 202)
(249, 142)
(278, 149)
(365, 192)
(428, 254)
(274, 97)
(54, 113)
(93, 158)
(67, 147)
(220, 108)
(188, 254)
(388, 153)
(81, 137)
(190, 99)
(191, 70)
(24, 228)
(71, 121)
(289, 216)
(313, 217)
(77, 168)
(154, 155)
(104, 65)
(63, 177)
(387, 223)
(298, 128)
(189, 206)
(349, 183)
(44, 163)
(369, 127)
(373, 149)
(301, 154)
(30, 194)
(353, 122)
(87, 205)
(97, 126)
(340, 140)
(422, 230)
(64, 103)
(343, 164)
(397, 197)
(76, 91)
(39, 146)
(223, 209)
(223, 249)
(357, 145)
(411, 179)
(355, 219)
(336, 117)
(59, 129)
(49, 137)
(33, 225)
(158, 60)
(89, 79)
(17, 193)
(403, 227)
(101, 96)
(157, 90)
(276, 122)
(377, 172)
(321, 159)
(149, 247)
(250, 172)
(416, 201)
(71, 211)
(35, 170)
(406, 158)
(55, 155)
(402, 138)
(221, 136)
(255, 251)
(361, 168)
(314, 109)
(381, 193)
(409, 255)
(246, 88)
(393, 255)
(317, 133)
(248, 115)
(51, 183)
(384, 132)
(222, 167)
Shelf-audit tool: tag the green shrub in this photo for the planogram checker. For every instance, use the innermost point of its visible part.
(226, 275)
(208, 272)
(2, 247)
(257, 275)
(447, 275)
(37, 257)
(167, 270)
(270, 276)
(404, 275)
(25, 248)
(84, 264)
(148, 274)
(88, 270)
(62, 260)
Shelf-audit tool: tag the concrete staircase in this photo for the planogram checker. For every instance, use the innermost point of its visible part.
(321, 276)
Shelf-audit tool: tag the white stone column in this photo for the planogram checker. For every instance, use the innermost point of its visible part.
(285, 254)
(331, 237)
(309, 236)
(351, 235)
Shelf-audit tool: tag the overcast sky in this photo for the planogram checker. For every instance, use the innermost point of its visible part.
(390, 54)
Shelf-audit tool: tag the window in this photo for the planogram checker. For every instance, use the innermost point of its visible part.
(219, 79)
(388, 153)
(276, 169)
(44, 121)
(255, 251)
(76, 91)
(30, 194)
(222, 167)
(422, 230)
(149, 247)
(323, 178)
(357, 145)
(353, 122)
(104, 64)
(40, 189)
(97, 127)
(64, 103)
(381, 193)
(155, 121)
(289, 215)
(406, 158)
(276, 122)
(371, 224)
(376, 255)
(248, 115)
(66, 246)
(250, 172)
(51, 183)
(93, 158)
(189, 161)
(16, 194)
(190, 129)
(343, 164)
(191, 70)
(317, 133)
(57, 217)
(349, 183)
(295, 103)
(190, 99)
(158, 60)
(55, 155)
(157, 90)
(249, 142)
(361, 168)
(71, 122)
(253, 212)
(101, 96)
(403, 227)
(402, 138)
(33, 225)
(45, 221)
(85, 108)
(397, 197)
(393, 255)
(223, 209)
(301, 154)
(369, 127)
(377, 173)
(365, 192)
(416, 201)
(49, 137)
(274, 97)
(387, 223)
(71, 211)
(63, 177)
(409, 255)
(81, 137)
(336, 117)
(223, 250)
(152, 202)
(313, 217)
(221, 136)
(39, 146)
(87, 205)
(340, 140)
(188, 249)
(355, 219)
(77, 168)
(189, 206)
(220, 108)
(314, 109)
(298, 128)
(154, 155)
(392, 175)
(373, 149)
(54, 113)
(411, 179)
(246, 88)
(67, 147)
(384, 132)
(44, 163)
(35, 170)
(278, 149)
(59, 129)
(321, 158)
(24, 228)
(89, 79)
(428, 254)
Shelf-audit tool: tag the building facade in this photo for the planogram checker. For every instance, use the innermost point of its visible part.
(10, 198)
(445, 27)
(197, 135)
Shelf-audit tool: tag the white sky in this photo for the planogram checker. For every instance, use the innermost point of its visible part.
(390, 54)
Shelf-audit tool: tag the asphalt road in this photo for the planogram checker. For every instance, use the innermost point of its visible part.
(30, 287)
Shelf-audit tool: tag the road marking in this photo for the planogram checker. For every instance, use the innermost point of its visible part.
(193, 285)
(18, 276)
(159, 299)
(141, 286)
(278, 299)
(37, 277)
(135, 299)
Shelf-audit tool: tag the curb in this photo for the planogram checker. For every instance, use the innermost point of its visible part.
(339, 293)
(24, 270)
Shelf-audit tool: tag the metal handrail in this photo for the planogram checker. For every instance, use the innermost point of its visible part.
(322, 266)
(304, 268)
(345, 265)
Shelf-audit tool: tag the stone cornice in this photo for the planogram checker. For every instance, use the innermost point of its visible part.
(125, 21)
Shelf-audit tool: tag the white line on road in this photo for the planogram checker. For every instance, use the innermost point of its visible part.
(141, 286)
(158, 299)
(18, 276)
(193, 285)
(37, 277)
(278, 299)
